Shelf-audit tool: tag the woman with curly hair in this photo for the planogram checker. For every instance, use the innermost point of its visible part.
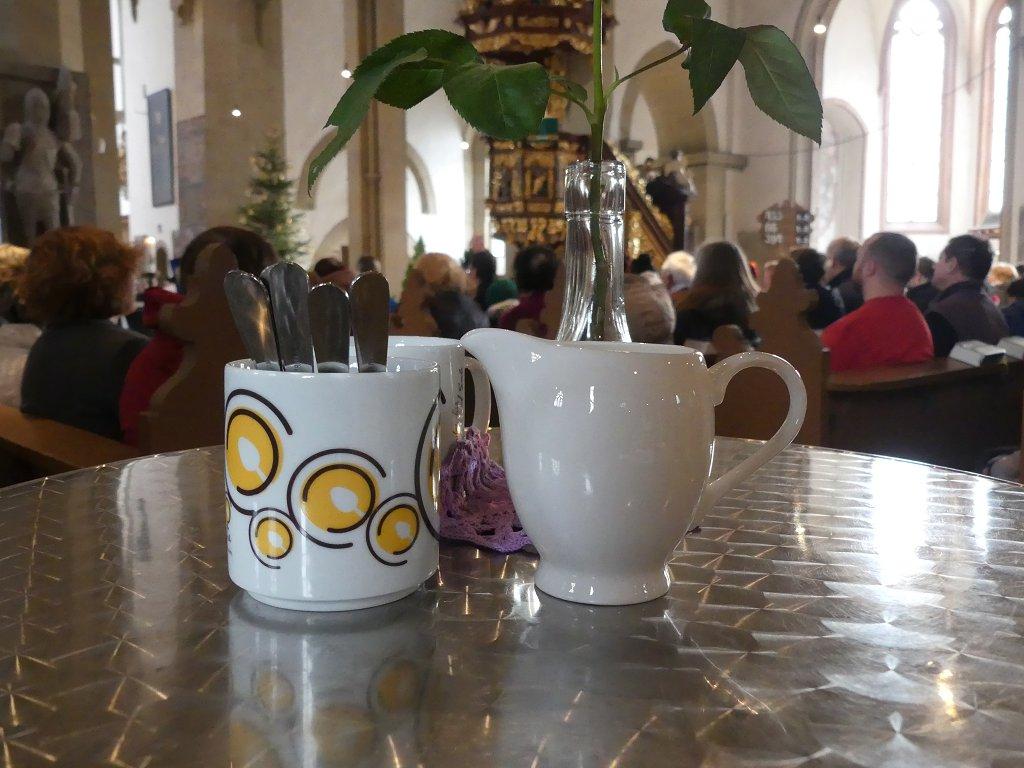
(75, 281)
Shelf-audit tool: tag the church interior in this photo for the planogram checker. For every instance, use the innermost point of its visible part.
(227, 76)
(511, 383)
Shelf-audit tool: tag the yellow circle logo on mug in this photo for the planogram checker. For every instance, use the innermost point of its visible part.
(253, 452)
(338, 497)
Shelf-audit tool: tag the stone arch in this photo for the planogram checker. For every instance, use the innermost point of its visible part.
(812, 45)
(333, 242)
(669, 99)
(839, 168)
(421, 176)
(414, 162)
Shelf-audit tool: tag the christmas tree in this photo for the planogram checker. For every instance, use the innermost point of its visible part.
(418, 249)
(271, 208)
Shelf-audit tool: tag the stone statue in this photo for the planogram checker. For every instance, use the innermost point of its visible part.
(47, 168)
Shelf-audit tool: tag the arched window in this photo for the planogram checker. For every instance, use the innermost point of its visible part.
(992, 168)
(918, 73)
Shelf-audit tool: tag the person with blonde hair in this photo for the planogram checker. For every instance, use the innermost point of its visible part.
(75, 280)
(677, 272)
(650, 315)
(12, 265)
(445, 284)
(16, 334)
(724, 292)
(999, 279)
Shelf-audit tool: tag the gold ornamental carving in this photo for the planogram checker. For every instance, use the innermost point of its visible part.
(527, 188)
(523, 28)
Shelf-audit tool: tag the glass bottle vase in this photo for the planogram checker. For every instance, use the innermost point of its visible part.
(595, 247)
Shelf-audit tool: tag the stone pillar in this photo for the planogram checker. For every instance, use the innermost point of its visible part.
(30, 32)
(228, 56)
(377, 154)
(1012, 223)
(98, 65)
(708, 209)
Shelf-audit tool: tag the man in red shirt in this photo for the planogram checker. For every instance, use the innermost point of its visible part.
(888, 329)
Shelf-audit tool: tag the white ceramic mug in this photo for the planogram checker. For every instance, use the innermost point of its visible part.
(331, 483)
(452, 363)
(608, 449)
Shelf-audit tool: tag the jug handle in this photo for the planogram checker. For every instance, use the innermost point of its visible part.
(721, 375)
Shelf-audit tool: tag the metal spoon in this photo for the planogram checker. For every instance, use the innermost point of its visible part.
(329, 322)
(288, 286)
(370, 296)
(250, 307)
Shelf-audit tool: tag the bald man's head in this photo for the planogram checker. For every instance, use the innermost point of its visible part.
(893, 255)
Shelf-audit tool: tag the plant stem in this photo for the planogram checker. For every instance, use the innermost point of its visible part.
(652, 65)
(602, 273)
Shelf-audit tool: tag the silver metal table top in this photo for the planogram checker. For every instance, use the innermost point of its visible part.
(837, 610)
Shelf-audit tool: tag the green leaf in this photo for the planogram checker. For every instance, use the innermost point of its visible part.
(504, 102)
(715, 50)
(411, 83)
(680, 15)
(353, 105)
(780, 82)
(321, 161)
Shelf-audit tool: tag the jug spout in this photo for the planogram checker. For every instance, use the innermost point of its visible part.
(505, 355)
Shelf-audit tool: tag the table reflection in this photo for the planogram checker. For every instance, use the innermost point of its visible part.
(328, 689)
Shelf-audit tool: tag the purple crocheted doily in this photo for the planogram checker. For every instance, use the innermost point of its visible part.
(476, 506)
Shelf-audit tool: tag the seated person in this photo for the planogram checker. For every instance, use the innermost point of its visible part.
(75, 280)
(649, 311)
(12, 266)
(502, 296)
(482, 274)
(677, 274)
(920, 289)
(723, 293)
(887, 329)
(767, 275)
(367, 264)
(332, 270)
(535, 269)
(998, 281)
(162, 356)
(963, 310)
(17, 335)
(454, 311)
(1014, 312)
(829, 308)
(841, 256)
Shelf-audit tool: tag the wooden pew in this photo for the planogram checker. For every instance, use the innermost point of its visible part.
(940, 412)
(31, 447)
(757, 401)
(188, 410)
